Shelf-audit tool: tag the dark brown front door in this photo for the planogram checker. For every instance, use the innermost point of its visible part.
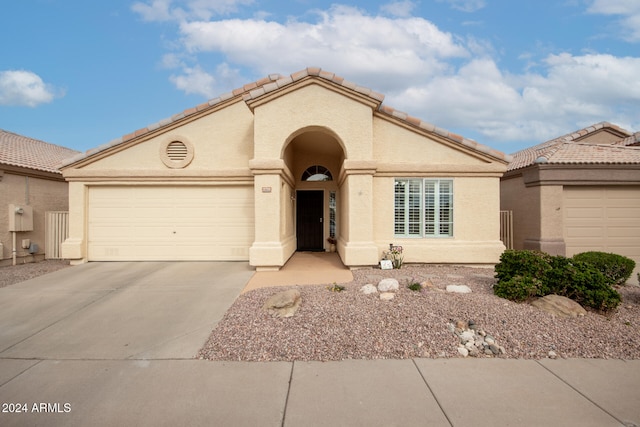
(309, 226)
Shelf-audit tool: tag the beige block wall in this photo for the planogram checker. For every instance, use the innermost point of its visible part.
(42, 195)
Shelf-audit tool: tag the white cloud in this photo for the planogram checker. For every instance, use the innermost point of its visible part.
(629, 23)
(180, 10)
(401, 9)
(572, 92)
(343, 39)
(195, 81)
(24, 88)
(466, 5)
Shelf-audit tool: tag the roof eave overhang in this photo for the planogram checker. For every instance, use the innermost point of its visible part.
(577, 174)
(453, 141)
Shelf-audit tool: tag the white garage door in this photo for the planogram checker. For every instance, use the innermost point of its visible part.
(603, 219)
(162, 223)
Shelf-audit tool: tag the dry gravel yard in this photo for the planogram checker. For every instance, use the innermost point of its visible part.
(12, 274)
(351, 325)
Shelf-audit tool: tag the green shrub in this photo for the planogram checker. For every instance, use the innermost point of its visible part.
(525, 274)
(522, 263)
(415, 286)
(582, 282)
(616, 268)
(519, 288)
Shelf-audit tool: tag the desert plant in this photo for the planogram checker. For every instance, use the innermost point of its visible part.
(514, 263)
(616, 268)
(525, 274)
(582, 282)
(519, 288)
(414, 286)
(336, 288)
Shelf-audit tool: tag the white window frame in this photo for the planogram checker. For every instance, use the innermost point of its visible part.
(416, 226)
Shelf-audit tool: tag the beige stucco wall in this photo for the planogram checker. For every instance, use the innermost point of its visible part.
(42, 194)
(401, 152)
(270, 141)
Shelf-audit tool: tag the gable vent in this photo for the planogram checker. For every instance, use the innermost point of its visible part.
(177, 151)
(176, 154)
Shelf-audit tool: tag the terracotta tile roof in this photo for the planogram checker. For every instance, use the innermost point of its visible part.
(568, 149)
(21, 151)
(272, 83)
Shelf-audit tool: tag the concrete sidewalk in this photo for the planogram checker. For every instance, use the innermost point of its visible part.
(420, 392)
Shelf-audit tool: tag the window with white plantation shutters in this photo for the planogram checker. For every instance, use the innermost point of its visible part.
(423, 207)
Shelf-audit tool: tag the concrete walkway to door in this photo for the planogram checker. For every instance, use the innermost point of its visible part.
(304, 268)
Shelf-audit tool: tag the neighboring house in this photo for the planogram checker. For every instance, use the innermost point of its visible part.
(579, 192)
(280, 165)
(30, 183)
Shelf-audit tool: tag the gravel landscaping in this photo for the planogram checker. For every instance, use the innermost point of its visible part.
(12, 274)
(351, 325)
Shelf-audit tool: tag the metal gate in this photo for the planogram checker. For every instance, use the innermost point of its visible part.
(56, 231)
(506, 228)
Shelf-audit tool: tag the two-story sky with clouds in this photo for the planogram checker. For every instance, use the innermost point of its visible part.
(509, 74)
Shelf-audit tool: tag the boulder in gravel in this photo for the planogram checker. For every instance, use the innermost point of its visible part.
(559, 306)
(283, 304)
(387, 296)
(459, 289)
(369, 289)
(388, 285)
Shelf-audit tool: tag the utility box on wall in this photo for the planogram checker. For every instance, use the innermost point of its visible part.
(20, 218)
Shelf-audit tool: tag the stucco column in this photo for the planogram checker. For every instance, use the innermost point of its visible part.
(74, 247)
(551, 238)
(356, 245)
(272, 246)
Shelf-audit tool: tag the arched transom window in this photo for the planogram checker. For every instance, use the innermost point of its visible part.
(317, 173)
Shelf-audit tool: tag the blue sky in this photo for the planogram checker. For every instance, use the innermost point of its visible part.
(509, 74)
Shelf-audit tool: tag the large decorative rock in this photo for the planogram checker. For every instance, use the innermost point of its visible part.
(369, 289)
(459, 289)
(283, 304)
(388, 285)
(559, 306)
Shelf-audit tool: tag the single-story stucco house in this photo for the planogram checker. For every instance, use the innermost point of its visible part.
(578, 192)
(280, 165)
(30, 185)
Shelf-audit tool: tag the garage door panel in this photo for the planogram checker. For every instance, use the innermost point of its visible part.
(170, 223)
(603, 219)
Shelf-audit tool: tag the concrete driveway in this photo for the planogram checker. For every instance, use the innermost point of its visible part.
(120, 310)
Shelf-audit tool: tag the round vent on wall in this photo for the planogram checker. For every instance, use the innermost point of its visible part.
(176, 154)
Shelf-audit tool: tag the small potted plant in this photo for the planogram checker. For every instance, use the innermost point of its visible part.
(332, 243)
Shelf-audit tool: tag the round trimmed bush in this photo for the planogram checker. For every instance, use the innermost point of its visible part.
(616, 268)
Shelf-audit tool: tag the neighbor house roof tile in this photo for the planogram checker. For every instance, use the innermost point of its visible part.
(273, 82)
(568, 149)
(22, 151)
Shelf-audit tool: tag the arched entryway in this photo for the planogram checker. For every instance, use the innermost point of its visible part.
(315, 158)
